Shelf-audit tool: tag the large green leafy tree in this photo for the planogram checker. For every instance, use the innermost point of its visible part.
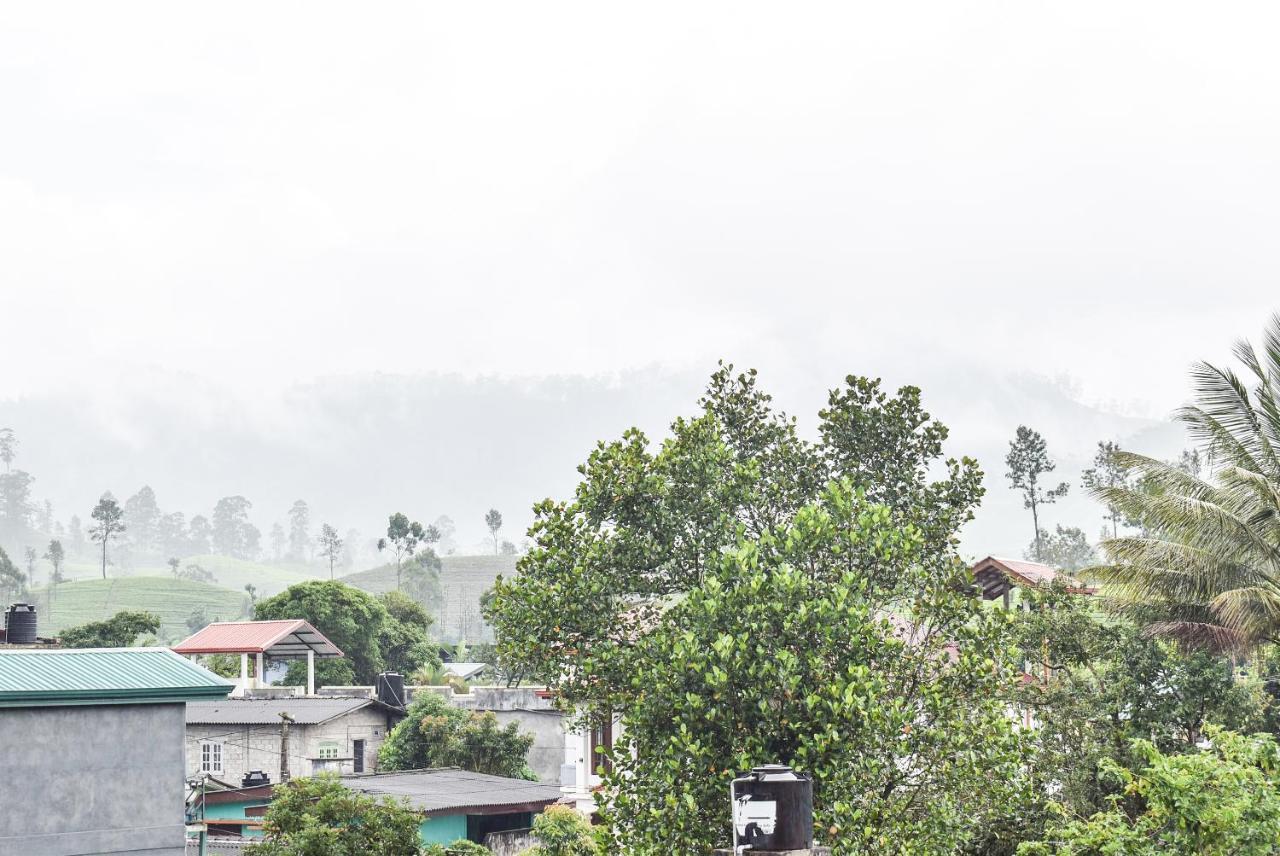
(405, 638)
(351, 619)
(635, 594)
(838, 646)
(12, 580)
(434, 733)
(317, 816)
(119, 631)
(1207, 566)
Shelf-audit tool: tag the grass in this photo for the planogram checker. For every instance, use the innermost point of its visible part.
(227, 573)
(173, 600)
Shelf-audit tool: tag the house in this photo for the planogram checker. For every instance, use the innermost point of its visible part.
(997, 578)
(230, 738)
(93, 749)
(460, 804)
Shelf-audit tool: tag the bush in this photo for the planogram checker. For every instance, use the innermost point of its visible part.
(461, 847)
(561, 831)
(317, 815)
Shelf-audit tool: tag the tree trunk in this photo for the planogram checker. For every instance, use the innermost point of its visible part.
(1035, 521)
(104, 555)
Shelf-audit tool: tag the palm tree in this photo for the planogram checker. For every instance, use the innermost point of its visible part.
(1206, 567)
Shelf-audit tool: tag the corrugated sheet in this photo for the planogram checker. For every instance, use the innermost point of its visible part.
(106, 675)
(439, 791)
(277, 638)
(238, 711)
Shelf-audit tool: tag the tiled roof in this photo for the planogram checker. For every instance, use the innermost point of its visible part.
(266, 711)
(279, 639)
(73, 676)
(1017, 571)
(449, 791)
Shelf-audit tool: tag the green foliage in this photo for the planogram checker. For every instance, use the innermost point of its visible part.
(109, 515)
(350, 618)
(461, 847)
(1225, 800)
(86, 600)
(800, 648)
(561, 831)
(1028, 460)
(403, 538)
(405, 639)
(317, 816)
(434, 733)
(12, 579)
(1205, 568)
(1097, 682)
(736, 613)
(119, 631)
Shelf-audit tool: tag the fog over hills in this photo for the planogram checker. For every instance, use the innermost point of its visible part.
(359, 447)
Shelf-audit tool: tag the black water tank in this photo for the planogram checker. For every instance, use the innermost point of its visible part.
(389, 689)
(255, 778)
(20, 624)
(773, 809)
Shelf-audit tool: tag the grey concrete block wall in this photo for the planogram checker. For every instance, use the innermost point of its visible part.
(92, 780)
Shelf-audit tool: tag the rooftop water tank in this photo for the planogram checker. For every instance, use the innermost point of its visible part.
(20, 624)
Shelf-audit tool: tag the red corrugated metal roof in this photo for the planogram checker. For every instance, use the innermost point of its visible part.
(280, 639)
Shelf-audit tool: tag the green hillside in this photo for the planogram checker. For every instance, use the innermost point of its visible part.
(227, 573)
(173, 600)
(482, 570)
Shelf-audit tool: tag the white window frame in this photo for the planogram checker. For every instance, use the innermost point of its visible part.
(329, 750)
(211, 755)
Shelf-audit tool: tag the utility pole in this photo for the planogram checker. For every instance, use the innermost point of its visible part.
(285, 720)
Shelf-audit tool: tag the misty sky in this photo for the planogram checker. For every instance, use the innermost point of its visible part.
(247, 197)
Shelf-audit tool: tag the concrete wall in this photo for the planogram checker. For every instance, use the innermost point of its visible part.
(93, 779)
(257, 747)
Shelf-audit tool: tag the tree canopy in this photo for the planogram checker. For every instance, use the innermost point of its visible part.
(119, 631)
(744, 596)
(350, 618)
(317, 816)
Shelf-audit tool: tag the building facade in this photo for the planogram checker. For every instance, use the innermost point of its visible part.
(229, 739)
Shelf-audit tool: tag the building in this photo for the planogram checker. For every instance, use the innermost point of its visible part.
(459, 804)
(93, 749)
(230, 738)
(997, 578)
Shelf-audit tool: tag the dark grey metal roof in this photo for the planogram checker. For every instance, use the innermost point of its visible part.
(448, 791)
(266, 711)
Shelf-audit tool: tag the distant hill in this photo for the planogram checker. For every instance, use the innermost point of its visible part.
(173, 600)
(463, 579)
(228, 573)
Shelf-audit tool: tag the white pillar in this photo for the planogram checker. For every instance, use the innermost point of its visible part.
(257, 674)
(311, 672)
(244, 670)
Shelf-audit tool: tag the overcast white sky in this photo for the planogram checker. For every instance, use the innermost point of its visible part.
(265, 192)
(258, 194)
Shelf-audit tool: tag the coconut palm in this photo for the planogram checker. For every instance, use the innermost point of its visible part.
(1206, 567)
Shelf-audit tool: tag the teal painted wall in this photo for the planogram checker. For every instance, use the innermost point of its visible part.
(232, 811)
(444, 829)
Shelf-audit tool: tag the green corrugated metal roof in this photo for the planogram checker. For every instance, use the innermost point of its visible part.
(48, 677)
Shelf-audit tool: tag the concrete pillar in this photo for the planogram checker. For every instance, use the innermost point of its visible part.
(244, 669)
(257, 674)
(311, 672)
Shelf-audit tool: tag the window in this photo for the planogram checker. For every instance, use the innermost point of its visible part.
(328, 749)
(211, 757)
